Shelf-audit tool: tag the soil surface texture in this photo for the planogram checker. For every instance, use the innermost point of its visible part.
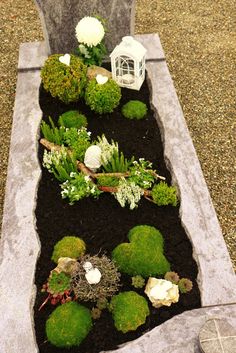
(103, 223)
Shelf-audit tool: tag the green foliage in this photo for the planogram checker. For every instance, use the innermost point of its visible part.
(143, 255)
(78, 141)
(62, 81)
(185, 285)
(78, 188)
(107, 181)
(118, 163)
(134, 109)
(102, 98)
(68, 325)
(108, 149)
(164, 195)
(129, 311)
(91, 55)
(96, 313)
(172, 277)
(73, 118)
(52, 134)
(141, 173)
(68, 246)
(58, 283)
(60, 163)
(138, 281)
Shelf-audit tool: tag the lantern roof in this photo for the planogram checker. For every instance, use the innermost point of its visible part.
(130, 47)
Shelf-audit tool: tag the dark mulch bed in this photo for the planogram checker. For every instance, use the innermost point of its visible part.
(103, 224)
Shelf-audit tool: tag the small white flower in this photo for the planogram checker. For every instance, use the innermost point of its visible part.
(72, 174)
(89, 31)
(84, 51)
(86, 178)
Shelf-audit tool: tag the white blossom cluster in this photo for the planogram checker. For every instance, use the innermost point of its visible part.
(53, 158)
(128, 192)
(107, 148)
(89, 31)
(78, 188)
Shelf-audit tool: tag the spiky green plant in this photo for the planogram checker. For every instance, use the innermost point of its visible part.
(53, 133)
(118, 163)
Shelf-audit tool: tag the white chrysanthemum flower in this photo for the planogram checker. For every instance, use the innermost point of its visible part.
(89, 31)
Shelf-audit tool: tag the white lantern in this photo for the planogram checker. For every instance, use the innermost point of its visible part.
(128, 63)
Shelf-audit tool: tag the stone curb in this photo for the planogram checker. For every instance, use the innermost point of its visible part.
(19, 247)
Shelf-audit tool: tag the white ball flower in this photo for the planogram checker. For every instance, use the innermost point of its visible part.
(89, 31)
(161, 292)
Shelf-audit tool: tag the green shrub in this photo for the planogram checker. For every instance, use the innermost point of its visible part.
(78, 141)
(68, 325)
(164, 195)
(143, 255)
(62, 81)
(102, 98)
(69, 246)
(73, 118)
(129, 311)
(134, 109)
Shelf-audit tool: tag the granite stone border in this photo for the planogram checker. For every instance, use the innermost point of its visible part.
(20, 248)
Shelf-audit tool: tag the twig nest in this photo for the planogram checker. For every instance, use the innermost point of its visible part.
(93, 276)
(92, 158)
(161, 292)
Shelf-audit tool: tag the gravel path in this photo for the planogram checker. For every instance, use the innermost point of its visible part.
(199, 39)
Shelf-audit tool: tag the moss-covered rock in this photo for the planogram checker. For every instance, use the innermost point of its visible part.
(143, 255)
(102, 98)
(69, 246)
(73, 118)
(68, 325)
(66, 82)
(129, 311)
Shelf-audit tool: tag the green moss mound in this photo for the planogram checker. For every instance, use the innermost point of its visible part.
(143, 255)
(73, 118)
(134, 109)
(164, 195)
(102, 98)
(129, 311)
(68, 246)
(68, 325)
(64, 82)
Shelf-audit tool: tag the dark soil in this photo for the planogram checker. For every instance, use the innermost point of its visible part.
(103, 223)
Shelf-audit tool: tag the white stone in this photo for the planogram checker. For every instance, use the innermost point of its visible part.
(161, 292)
(92, 158)
(101, 79)
(66, 264)
(93, 276)
(87, 266)
(65, 59)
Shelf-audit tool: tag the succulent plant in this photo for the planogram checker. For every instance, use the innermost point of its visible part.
(138, 281)
(58, 283)
(185, 285)
(172, 277)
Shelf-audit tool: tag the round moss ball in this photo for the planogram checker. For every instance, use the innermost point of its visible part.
(134, 109)
(66, 82)
(69, 246)
(129, 311)
(68, 325)
(102, 98)
(72, 118)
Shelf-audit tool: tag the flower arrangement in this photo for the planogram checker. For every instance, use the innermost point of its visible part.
(90, 33)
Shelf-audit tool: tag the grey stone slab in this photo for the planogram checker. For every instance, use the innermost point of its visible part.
(180, 334)
(217, 335)
(216, 278)
(59, 19)
(153, 45)
(33, 55)
(19, 247)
